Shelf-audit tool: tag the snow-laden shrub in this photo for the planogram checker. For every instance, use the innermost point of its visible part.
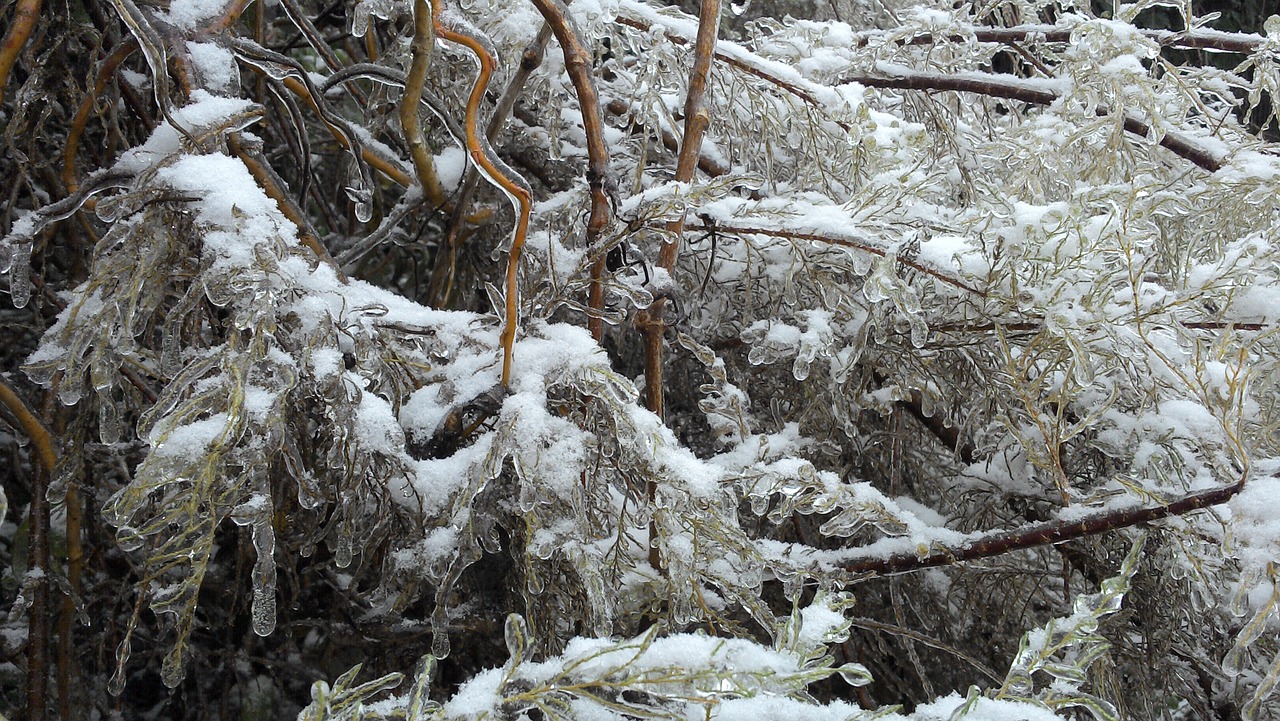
(962, 331)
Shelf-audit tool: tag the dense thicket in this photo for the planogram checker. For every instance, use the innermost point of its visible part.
(515, 359)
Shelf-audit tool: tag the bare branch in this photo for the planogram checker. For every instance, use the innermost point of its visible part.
(1199, 39)
(1043, 534)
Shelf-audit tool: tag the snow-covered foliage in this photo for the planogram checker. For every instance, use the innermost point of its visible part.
(963, 331)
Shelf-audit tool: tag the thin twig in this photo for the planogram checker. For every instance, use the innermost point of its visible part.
(106, 69)
(931, 642)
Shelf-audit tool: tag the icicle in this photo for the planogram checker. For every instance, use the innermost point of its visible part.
(519, 641)
(361, 199)
(110, 427)
(115, 685)
(20, 275)
(173, 669)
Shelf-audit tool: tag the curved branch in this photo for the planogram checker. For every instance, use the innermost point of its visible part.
(32, 426)
(105, 70)
(496, 172)
(25, 14)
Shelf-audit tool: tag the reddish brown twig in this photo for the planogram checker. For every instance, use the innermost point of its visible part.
(25, 14)
(274, 188)
(1042, 534)
(577, 62)
(38, 533)
(477, 149)
(105, 70)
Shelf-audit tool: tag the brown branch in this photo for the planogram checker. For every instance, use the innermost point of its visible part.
(697, 118)
(273, 186)
(996, 87)
(32, 426)
(1042, 534)
(25, 14)
(446, 261)
(105, 70)
(477, 148)
(1242, 43)
(577, 63)
(992, 86)
(410, 120)
(38, 533)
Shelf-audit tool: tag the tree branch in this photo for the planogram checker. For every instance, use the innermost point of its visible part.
(25, 14)
(1008, 87)
(577, 63)
(835, 240)
(1013, 88)
(1244, 43)
(38, 532)
(32, 426)
(496, 171)
(410, 121)
(1043, 534)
